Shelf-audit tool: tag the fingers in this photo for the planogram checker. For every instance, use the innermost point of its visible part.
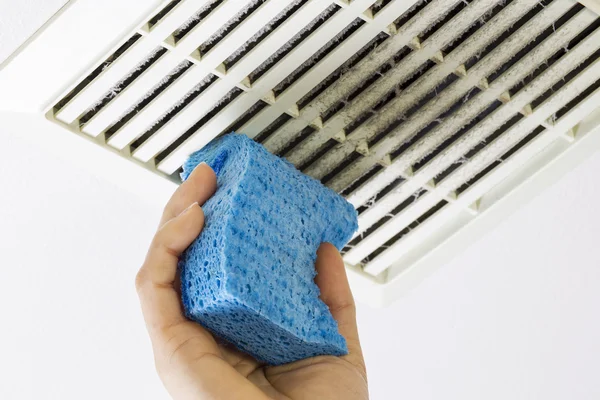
(181, 223)
(335, 292)
(187, 356)
(155, 281)
(200, 185)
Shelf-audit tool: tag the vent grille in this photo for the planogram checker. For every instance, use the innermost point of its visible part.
(411, 110)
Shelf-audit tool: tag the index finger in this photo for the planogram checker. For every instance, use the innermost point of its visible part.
(199, 187)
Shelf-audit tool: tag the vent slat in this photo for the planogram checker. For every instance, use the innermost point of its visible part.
(501, 145)
(149, 114)
(492, 61)
(526, 125)
(476, 134)
(189, 98)
(128, 61)
(395, 252)
(524, 155)
(353, 78)
(208, 63)
(417, 235)
(235, 75)
(182, 121)
(155, 91)
(263, 86)
(428, 82)
(399, 73)
(390, 228)
(495, 59)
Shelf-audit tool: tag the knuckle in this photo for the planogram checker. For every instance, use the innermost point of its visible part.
(344, 307)
(362, 369)
(181, 350)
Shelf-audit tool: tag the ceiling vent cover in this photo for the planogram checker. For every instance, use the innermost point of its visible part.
(415, 112)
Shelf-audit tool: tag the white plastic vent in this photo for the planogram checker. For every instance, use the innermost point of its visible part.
(415, 111)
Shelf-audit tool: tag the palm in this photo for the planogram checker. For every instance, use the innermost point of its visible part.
(324, 377)
(189, 360)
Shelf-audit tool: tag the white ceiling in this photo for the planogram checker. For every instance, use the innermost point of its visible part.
(22, 18)
(514, 317)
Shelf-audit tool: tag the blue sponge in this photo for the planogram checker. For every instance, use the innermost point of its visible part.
(249, 277)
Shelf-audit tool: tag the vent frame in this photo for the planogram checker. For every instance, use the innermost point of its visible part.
(569, 138)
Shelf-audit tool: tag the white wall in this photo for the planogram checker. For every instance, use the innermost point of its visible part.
(514, 317)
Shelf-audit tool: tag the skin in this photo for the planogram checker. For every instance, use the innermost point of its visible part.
(193, 365)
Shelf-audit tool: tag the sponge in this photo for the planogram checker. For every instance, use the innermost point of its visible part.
(249, 276)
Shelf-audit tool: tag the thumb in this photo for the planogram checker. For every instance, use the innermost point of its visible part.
(335, 292)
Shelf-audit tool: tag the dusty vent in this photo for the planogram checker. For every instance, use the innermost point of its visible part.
(413, 111)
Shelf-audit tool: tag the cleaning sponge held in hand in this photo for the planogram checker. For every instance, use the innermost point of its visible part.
(248, 277)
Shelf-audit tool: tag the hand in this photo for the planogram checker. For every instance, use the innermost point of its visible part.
(193, 365)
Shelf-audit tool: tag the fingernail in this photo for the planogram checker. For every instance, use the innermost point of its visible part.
(198, 167)
(188, 208)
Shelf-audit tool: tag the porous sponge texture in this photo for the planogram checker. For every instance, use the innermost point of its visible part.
(249, 276)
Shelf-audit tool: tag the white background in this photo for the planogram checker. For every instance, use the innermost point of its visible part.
(513, 317)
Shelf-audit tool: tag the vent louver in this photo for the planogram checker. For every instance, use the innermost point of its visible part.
(413, 111)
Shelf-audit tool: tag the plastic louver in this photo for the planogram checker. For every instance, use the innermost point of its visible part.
(413, 111)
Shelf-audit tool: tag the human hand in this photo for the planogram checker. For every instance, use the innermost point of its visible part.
(193, 365)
